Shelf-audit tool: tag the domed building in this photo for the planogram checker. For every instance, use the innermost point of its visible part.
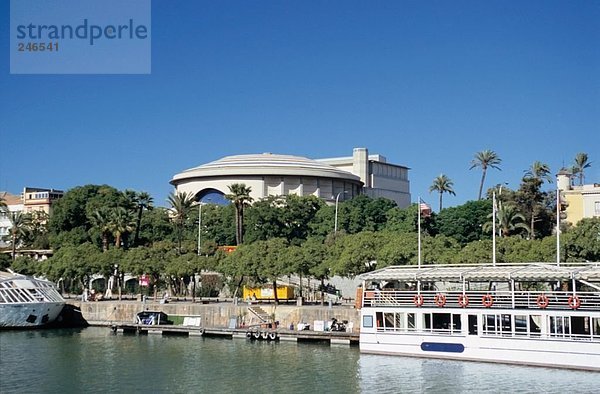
(270, 174)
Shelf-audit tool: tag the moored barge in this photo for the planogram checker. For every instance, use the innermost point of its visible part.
(531, 314)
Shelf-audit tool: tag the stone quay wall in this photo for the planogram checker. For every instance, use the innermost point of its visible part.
(215, 314)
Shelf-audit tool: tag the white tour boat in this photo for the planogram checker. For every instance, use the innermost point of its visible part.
(27, 302)
(530, 314)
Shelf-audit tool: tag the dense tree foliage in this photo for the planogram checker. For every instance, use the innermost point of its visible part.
(465, 222)
(96, 230)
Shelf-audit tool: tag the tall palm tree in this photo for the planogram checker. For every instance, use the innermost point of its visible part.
(240, 197)
(538, 171)
(181, 207)
(535, 177)
(442, 184)
(581, 163)
(485, 159)
(19, 229)
(101, 219)
(144, 202)
(510, 220)
(122, 222)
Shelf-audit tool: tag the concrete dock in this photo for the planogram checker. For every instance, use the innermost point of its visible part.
(250, 333)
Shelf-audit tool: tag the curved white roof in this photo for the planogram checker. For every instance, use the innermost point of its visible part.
(264, 164)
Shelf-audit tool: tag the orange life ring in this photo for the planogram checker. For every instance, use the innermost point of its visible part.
(542, 301)
(487, 300)
(418, 299)
(440, 300)
(463, 300)
(574, 302)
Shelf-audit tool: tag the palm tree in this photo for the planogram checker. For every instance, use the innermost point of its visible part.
(3, 206)
(535, 177)
(485, 159)
(581, 163)
(181, 207)
(144, 202)
(101, 219)
(538, 171)
(240, 197)
(18, 230)
(121, 222)
(442, 184)
(510, 220)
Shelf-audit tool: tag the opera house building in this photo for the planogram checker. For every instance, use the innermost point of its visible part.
(270, 174)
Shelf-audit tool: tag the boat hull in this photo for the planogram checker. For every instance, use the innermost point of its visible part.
(583, 355)
(29, 315)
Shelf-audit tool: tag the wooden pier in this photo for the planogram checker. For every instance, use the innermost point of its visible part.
(250, 333)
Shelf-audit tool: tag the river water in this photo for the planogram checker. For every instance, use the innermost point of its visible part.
(93, 360)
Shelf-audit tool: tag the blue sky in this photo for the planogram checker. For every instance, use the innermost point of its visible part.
(426, 84)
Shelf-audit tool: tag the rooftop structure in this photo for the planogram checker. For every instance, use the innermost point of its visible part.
(271, 174)
(37, 199)
(380, 178)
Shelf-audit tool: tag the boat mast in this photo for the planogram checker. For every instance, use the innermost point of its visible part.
(419, 231)
(494, 228)
(557, 225)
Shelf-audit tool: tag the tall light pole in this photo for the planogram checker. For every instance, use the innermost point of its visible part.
(199, 224)
(337, 198)
(200, 203)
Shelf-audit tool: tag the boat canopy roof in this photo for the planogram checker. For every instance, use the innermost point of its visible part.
(529, 272)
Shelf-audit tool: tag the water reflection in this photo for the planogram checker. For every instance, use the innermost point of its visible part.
(93, 360)
(395, 374)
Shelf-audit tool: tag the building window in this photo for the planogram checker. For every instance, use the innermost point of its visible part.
(597, 208)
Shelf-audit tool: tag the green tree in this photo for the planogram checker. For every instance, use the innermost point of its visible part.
(509, 220)
(363, 213)
(144, 202)
(464, 222)
(580, 164)
(240, 197)
(358, 254)
(121, 223)
(397, 249)
(442, 184)
(37, 234)
(156, 226)
(218, 224)
(485, 159)
(69, 223)
(531, 193)
(539, 171)
(101, 220)
(476, 252)
(181, 208)
(273, 264)
(25, 265)
(19, 229)
(582, 242)
(5, 261)
(286, 217)
(75, 264)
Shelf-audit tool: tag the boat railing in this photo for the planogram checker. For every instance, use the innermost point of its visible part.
(552, 300)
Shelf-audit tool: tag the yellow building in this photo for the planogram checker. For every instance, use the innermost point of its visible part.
(582, 201)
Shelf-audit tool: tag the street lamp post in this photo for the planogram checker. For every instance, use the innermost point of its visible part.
(199, 225)
(337, 198)
(200, 203)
